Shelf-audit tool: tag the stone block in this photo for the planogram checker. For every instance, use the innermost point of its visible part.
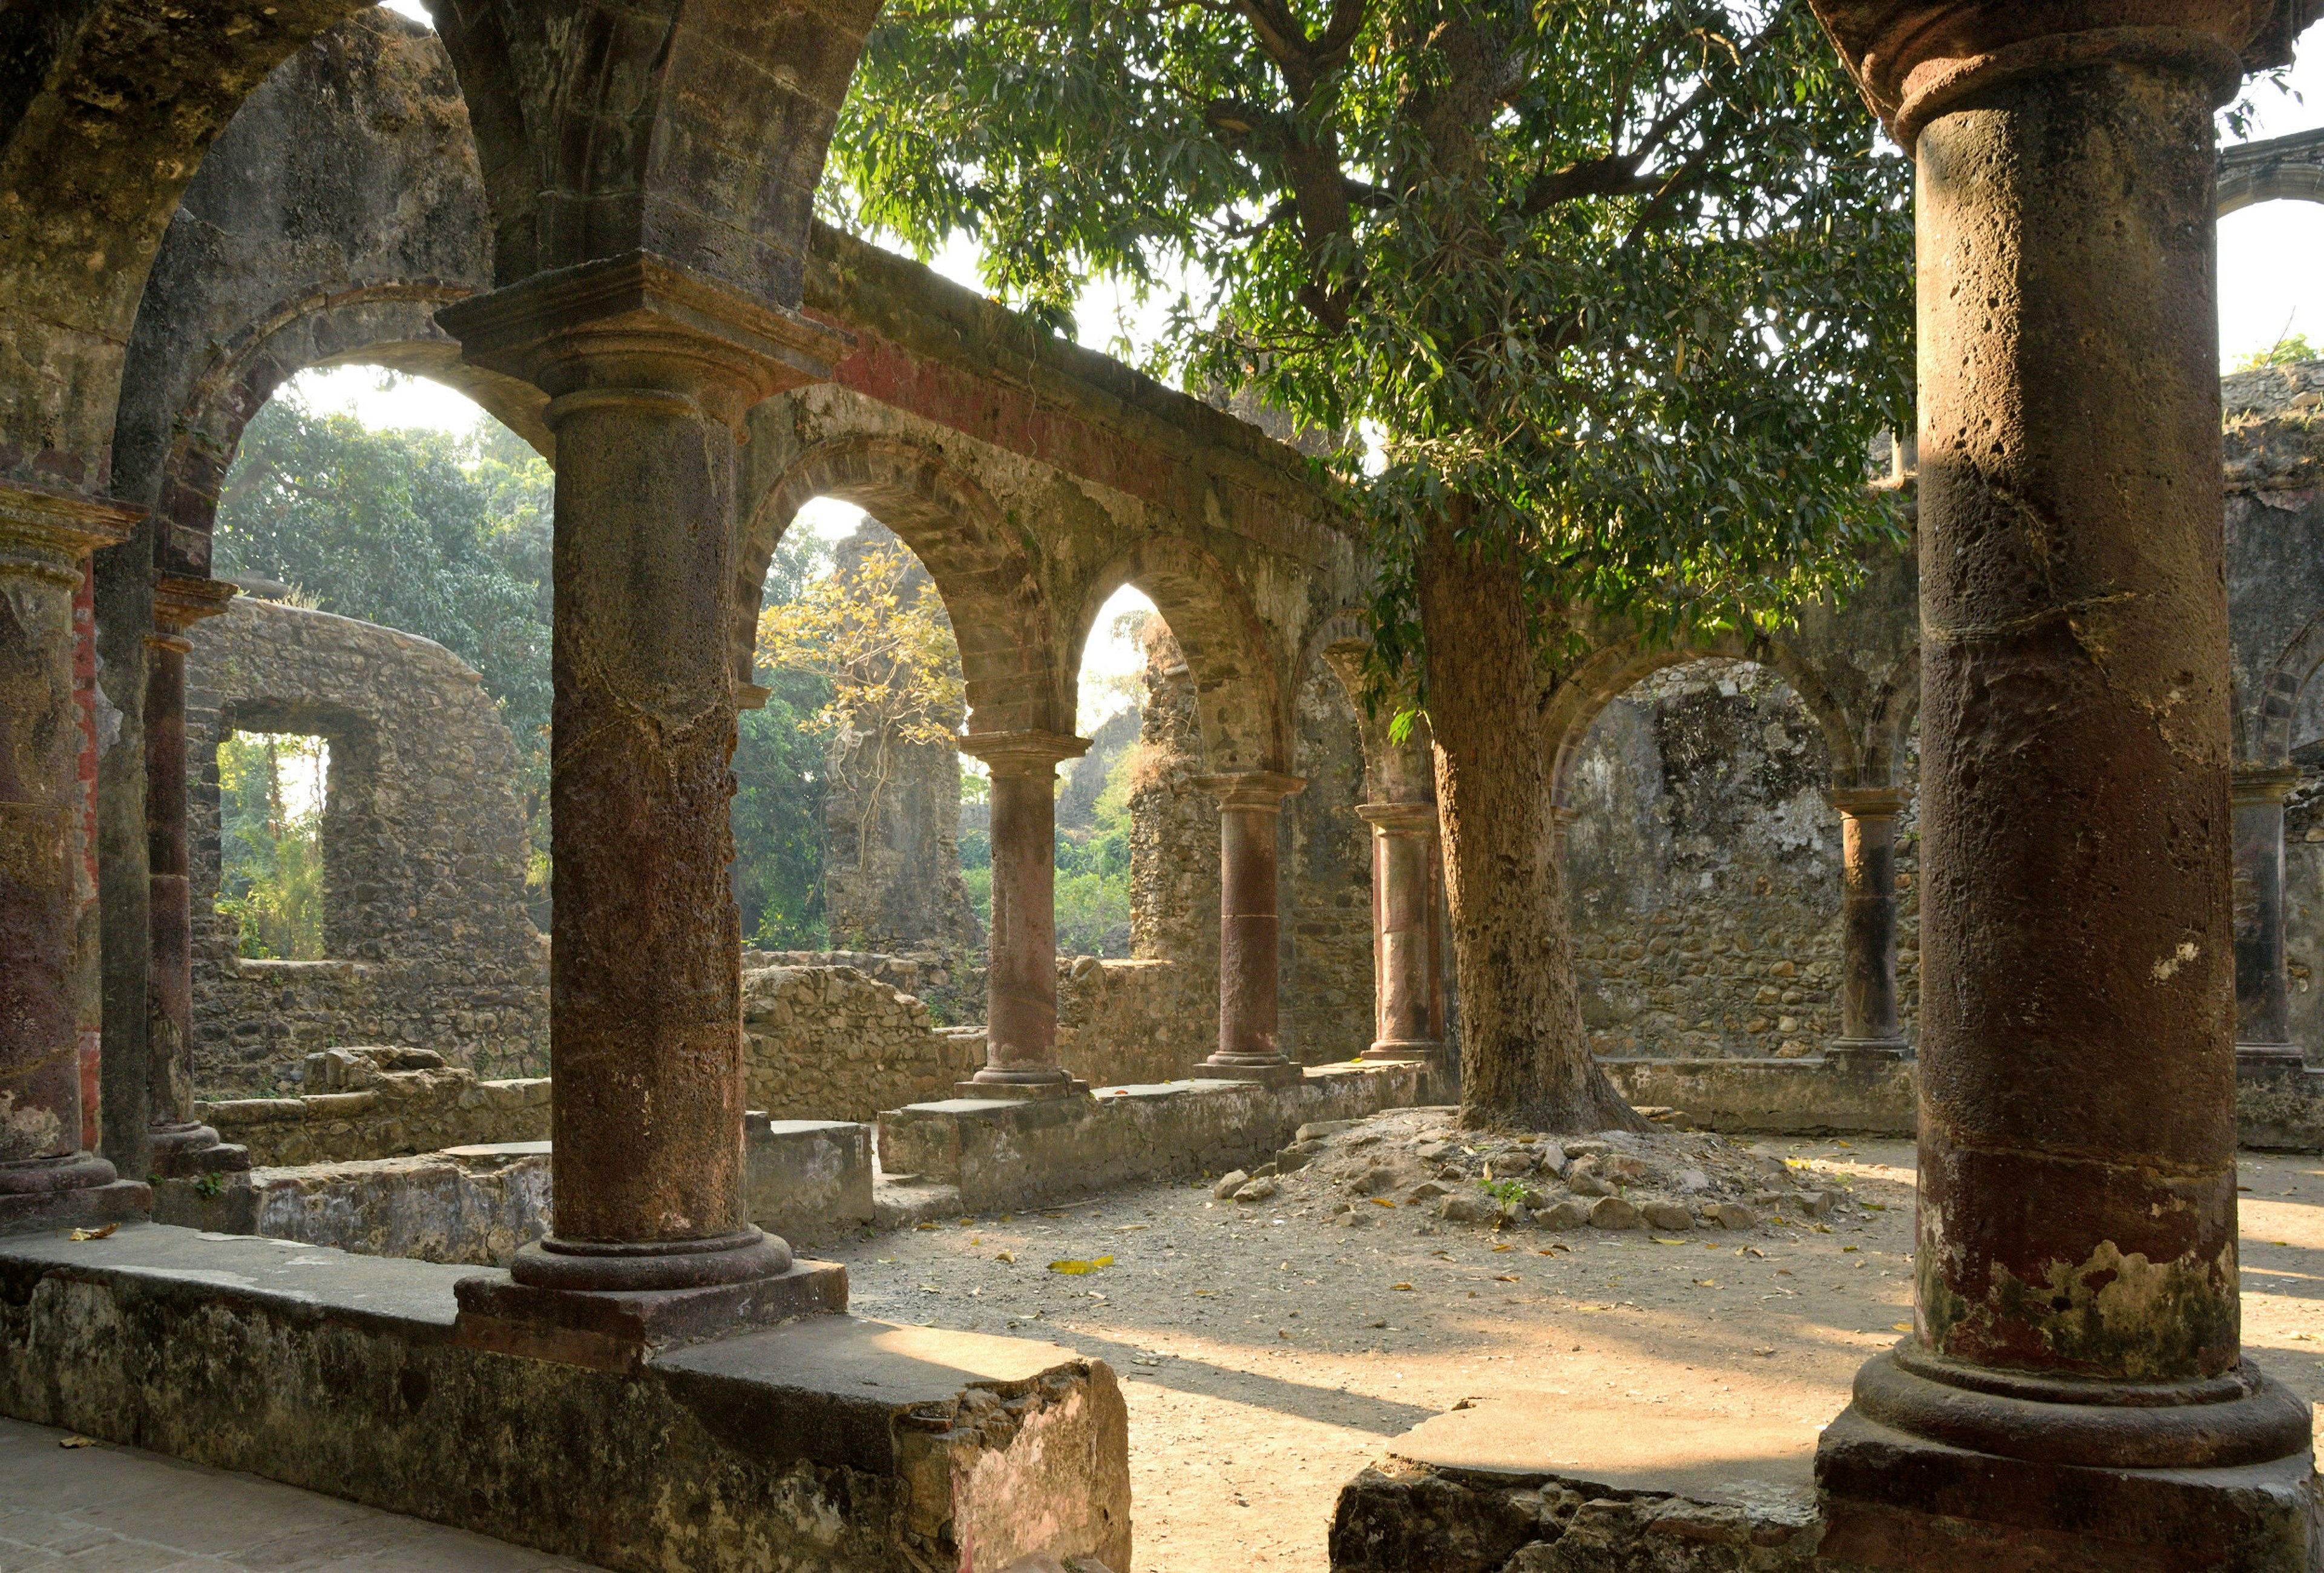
(833, 1443)
(808, 1179)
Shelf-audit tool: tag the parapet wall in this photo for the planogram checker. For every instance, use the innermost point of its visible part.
(425, 934)
(380, 1103)
(829, 1043)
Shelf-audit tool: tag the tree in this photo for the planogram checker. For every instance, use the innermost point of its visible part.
(1623, 291)
(778, 781)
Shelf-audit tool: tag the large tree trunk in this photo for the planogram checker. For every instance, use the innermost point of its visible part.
(1524, 1060)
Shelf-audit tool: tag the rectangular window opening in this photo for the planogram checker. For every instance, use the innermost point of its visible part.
(272, 791)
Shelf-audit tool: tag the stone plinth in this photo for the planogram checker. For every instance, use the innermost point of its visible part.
(834, 1443)
(806, 1180)
(1011, 1153)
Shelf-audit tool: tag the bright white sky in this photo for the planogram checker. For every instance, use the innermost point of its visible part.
(2270, 285)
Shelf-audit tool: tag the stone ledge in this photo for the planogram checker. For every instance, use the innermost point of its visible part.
(834, 1443)
(1000, 1154)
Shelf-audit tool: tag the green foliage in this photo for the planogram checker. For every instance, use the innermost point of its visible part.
(1507, 1192)
(442, 536)
(269, 855)
(1634, 279)
(2291, 350)
(779, 771)
(1092, 886)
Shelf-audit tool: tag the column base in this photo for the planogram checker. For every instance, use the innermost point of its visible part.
(615, 1331)
(1921, 1476)
(1868, 1049)
(1272, 1070)
(78, 1192)
(2271, 1056)
(1022, 1084)
(185, 1151)
(1427, 1050)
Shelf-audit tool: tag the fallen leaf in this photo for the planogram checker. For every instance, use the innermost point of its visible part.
(102, 1232)
(1074, 1267)
(1900, 1327)
(1664, 1240)
(1706, 1283)
(77, 1442)
(926, 1226)
(1400, 1286)
(1504, 1278)
(1505, 1247)
(1382, 1201)
(1004, 1255)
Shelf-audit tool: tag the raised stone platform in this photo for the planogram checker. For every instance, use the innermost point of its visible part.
(981, 1155)
(830, 1442)
(1533, 1487)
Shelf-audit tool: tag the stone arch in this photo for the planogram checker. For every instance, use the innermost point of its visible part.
(1894, 704)
(391, 324)
(1609, 672)
(980, 563)
(2262, 721)
(2286, 169)
(1238, 692)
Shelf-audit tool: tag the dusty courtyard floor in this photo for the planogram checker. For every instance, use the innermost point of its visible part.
(1268, 1355)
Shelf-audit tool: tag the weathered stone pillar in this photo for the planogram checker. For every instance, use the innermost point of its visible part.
(1406, 999)
(1021, 1058)
(1867, 921)
(46, 1178)
(1250, 812)
(650, 372)
(177, 1144)
(2263, 1000)
(2074, 1394)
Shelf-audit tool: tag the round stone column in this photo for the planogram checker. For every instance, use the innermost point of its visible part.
(650, 372)
(46, 1179)
(1250, 811)
(1867, 921)
(177, 1144)
(2263, 999)
(2073, 1395)
(1020, 1056)
(1404, 904)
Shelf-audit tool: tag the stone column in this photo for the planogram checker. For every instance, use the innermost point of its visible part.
(2074, 1394)
(1020, 1030)
(1250, 811)
(650, 372)
(46, 1178)
(1867, 921)
(1405, 999)
(2263, 1002)
(177, 1144)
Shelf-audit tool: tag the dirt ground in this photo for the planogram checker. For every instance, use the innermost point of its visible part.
(1269, 1354)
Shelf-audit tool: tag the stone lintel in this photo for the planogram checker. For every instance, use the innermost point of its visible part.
(2262, 784)
(1399, 819)
(1914, 60)
(47, 533)
(1025, 753)
(834, 1443)
(1251, 789)
(642, 321)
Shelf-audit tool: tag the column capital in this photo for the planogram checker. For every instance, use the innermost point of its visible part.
(181, 601)
(46, 533)
(1915, 59)
(2262, 784)
(1392, 818)
(642, 329)
(1866, 802)
(1027, 753)
(1250, 789)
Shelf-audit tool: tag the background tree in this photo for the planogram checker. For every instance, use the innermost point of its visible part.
(1621, 291)
(778, 780)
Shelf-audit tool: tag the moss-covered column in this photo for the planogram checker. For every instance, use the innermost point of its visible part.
(2262, 997)
(1404, 908)
(649, 372)
(46, 1178)
(1251, 961)
(2074, 1394)
(176, 1143)
(1020, 1018)
(1869, 1023)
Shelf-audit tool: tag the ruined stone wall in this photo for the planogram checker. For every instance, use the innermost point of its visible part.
(427, 937)
(1324, 891)
(1132, 1020)
(374, 1102)
(1173, 837)
(951, 986)
(891, 815)
(1704, 871)
(829, 1043)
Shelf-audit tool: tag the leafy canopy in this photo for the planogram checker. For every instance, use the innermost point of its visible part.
(1633, 279)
